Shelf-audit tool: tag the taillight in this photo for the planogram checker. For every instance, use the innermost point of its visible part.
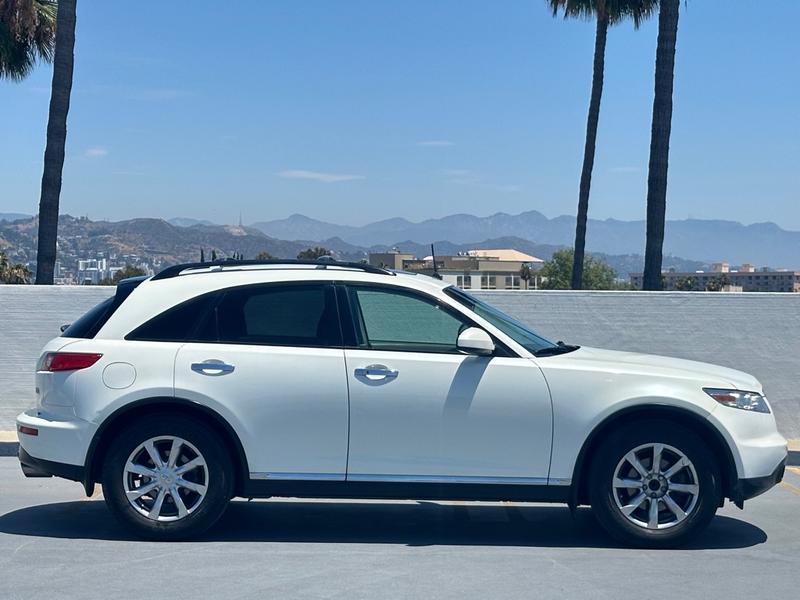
(27, 430)
(67, 361)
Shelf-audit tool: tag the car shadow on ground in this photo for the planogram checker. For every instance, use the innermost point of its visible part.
(411, 524)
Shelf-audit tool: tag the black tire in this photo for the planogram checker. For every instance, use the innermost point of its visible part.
(217, 477)
(604, 497)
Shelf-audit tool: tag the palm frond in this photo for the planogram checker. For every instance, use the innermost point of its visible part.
(27, 35)
(616, 11)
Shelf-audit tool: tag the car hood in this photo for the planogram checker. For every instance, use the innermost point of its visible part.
(657, 366)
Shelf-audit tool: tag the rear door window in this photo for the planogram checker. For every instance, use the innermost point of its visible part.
(280, 315)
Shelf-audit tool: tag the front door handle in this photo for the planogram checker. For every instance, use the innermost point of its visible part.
(212, 367)
(376, 372)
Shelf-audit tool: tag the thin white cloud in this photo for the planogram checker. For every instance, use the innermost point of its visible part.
(317, 176)
(436, 143)
(96, 152)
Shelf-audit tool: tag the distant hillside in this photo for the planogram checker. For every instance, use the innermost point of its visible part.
(153, 238)
(14, 216)
(188, 222)
(763, 244)
(160, 242)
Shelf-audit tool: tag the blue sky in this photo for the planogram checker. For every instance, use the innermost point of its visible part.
(353, 111)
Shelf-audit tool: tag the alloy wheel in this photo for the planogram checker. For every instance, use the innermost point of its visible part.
(655, 486)
(165, 478)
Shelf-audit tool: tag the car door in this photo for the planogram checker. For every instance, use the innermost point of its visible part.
(275, 370)
(421, 410)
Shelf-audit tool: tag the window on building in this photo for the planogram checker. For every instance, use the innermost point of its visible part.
(512, 282)
(464, 282)
(488, 282)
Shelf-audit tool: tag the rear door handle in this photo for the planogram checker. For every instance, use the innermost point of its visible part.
(376, 372)
(212, 367)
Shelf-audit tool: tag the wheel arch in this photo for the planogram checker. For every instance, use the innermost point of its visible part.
(116, 420)
(704, 428)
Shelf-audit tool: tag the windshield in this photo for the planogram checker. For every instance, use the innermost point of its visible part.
(526, 338)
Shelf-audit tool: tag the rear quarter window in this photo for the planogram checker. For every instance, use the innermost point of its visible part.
(192, 320)
(90, 323)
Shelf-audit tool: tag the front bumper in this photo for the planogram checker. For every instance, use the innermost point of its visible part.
(744, 489)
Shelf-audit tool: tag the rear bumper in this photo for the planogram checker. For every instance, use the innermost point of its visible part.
(59, 439)
(745, 489)
(37, 467)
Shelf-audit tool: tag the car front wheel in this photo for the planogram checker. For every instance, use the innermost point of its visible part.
(167, 477)
(654, 484)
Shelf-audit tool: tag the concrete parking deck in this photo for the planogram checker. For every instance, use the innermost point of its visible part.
(55, 544)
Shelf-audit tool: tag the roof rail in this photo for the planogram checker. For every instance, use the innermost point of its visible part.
(322, 263)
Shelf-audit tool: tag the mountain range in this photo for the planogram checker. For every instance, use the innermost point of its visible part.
(618, 242)
(762, 244)
(160, 243)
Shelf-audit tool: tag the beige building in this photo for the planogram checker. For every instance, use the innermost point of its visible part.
(493, 269)
(744, 279)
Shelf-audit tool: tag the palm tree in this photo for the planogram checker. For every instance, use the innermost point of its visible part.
(606, 13)
(63, 62)
(27, 35)
(659, 143)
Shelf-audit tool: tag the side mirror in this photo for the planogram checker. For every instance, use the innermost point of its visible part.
(475, 341)
(64, 327)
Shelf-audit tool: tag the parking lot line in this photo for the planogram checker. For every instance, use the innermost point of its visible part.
(792, 488)
(97, 494)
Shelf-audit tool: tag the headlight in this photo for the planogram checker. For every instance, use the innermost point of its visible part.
(738, 399)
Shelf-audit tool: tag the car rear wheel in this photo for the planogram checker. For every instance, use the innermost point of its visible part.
(167, 477)
(654, 484)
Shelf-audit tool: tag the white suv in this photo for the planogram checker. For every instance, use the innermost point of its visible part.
(326, 379)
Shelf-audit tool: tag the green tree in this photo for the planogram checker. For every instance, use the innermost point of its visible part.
(264, 255)
(526, 274)
(605, 13)
(313, 253)
(61, 89)
(27, 35)
(717, 283)
(13, 273)
(686, 284)
(123, 273)
(659, 143)
(556, 273)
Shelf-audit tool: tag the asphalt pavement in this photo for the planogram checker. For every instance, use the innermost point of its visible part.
(55, 543)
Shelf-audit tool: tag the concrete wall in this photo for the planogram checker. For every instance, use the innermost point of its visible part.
(757, 333)
(754, 332)
(29, 317)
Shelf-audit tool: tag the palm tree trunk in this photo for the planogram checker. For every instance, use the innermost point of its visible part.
(589, 149)
(63, 62)
(659, 143)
